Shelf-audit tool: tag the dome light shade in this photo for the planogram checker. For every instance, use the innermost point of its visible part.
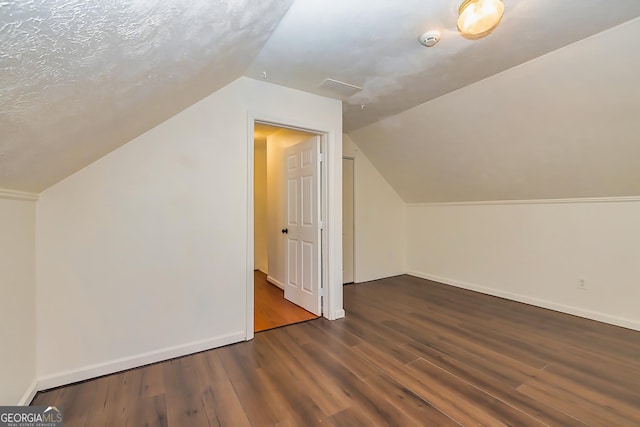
(479, 17)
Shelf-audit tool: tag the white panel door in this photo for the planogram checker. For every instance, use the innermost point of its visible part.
(347, 220)
(302, 231)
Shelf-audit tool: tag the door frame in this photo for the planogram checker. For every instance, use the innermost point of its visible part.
(353, 225)
(331, 213)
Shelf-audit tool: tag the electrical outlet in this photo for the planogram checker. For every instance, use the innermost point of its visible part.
(582, 284)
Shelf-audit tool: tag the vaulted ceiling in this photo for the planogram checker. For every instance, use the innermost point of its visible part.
(78, 78)
(562, 126)
(374, 45)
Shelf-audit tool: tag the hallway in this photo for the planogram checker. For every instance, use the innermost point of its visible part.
(271, 310)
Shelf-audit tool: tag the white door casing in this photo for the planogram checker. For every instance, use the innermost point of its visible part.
(347, 220)
(302, 229)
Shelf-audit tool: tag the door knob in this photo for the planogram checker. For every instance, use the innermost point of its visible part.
(285, 231)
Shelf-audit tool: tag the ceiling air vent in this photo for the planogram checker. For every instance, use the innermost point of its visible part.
(340, 89)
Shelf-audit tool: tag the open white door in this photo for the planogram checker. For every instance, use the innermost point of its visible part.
(302, 231)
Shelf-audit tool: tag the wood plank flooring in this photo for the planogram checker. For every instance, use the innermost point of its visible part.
(409, 353)
(271, 310)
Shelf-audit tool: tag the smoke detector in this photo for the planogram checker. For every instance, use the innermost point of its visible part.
(430, 38)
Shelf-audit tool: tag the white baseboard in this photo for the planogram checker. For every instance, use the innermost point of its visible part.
(377, 277)
(100, 369)
(29, 394)
(587, 314)
(337, 314)
(276, 282)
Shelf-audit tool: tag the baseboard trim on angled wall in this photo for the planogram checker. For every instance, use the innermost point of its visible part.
(575, 311)
(622, 199)
(17, 195)
(29, 394)
(276, 282)
(118, 365)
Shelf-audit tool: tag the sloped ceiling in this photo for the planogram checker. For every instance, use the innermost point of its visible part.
(374, 44)
(565, 125)
(79, 78)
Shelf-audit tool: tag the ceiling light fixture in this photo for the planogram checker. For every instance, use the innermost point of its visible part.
(479, 17)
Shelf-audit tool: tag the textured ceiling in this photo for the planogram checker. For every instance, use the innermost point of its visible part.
(81, 77)
(374, 44)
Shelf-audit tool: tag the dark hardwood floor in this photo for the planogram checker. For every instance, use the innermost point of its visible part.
(409, 353)
(271, 310)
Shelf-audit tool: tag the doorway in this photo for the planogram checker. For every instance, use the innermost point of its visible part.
(271, 309)
(272, 240)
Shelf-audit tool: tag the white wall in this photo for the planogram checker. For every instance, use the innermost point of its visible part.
(379, 221)
(260, 245)
(276, 216)
(564, 125)
(18, 300)
(535, 253)
(145, 255)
